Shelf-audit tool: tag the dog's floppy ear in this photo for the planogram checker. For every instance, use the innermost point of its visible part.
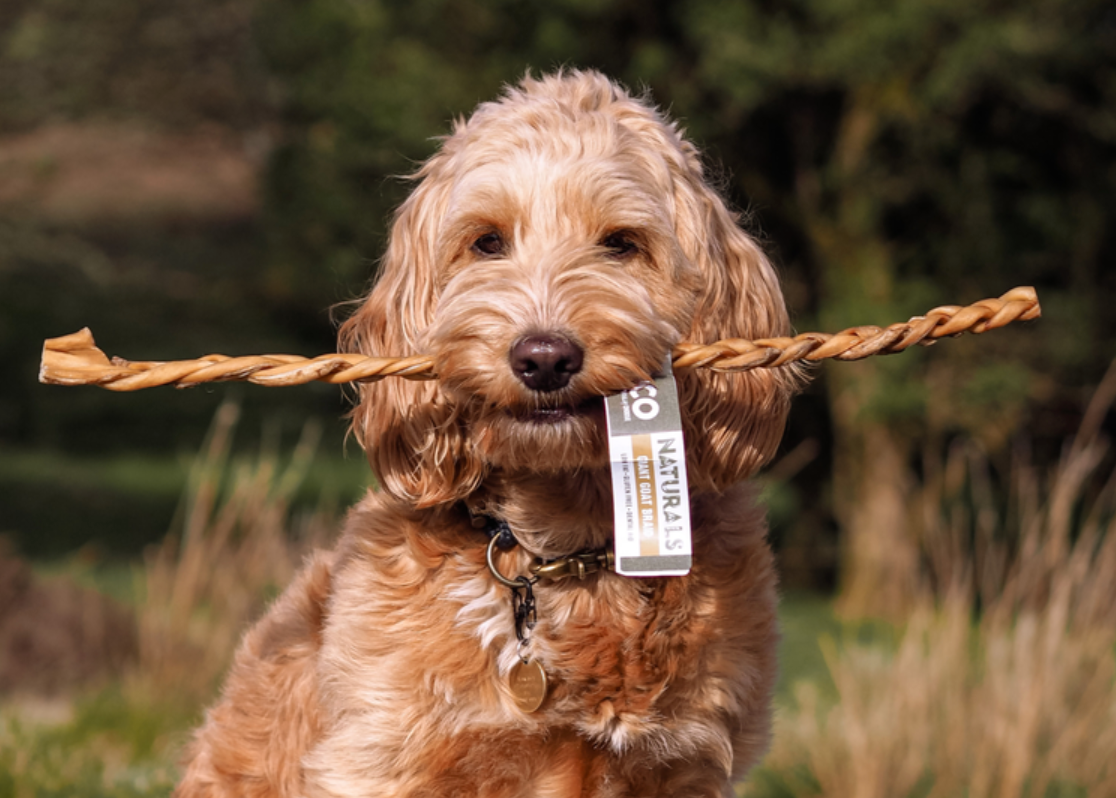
(733, 422)
(409, 430)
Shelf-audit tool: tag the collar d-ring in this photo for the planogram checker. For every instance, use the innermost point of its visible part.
(503, 580)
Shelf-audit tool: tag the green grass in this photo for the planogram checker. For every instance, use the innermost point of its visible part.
(343, 473)
(109, 747)
(128, 473)
(119, 580)
(115, 505)
(807, 620)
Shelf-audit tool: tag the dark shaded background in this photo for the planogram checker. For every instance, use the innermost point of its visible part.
(215, 175)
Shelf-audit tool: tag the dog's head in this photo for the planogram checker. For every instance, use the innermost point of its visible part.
(558, 245)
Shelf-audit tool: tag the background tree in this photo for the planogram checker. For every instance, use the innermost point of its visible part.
(909, 153)
(892, 155)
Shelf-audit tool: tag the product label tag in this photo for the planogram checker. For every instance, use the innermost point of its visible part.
(650, 499)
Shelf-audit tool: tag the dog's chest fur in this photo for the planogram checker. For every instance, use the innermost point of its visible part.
(641, 672)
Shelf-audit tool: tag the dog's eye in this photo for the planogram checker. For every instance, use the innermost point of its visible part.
(489, 245)
(620, 246)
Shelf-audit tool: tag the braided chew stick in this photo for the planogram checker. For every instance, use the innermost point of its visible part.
(75, 359)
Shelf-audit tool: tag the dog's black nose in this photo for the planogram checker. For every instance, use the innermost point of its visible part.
(545, 362)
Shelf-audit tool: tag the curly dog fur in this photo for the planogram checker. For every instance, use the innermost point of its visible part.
(567, 220)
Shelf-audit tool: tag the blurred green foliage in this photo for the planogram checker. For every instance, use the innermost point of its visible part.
(173, 63)
(897, 155)
(368, 86)
(891, 155)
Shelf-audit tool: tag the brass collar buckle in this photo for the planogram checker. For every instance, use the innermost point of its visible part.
(580, 565)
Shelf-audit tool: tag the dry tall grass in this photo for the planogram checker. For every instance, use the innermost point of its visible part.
(1003, 682)
(236, 543)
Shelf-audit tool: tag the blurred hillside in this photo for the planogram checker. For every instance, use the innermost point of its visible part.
(214, 175)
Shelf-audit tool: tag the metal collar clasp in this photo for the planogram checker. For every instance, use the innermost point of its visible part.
(580, 565)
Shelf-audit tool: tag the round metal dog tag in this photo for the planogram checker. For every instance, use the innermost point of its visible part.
(527, 681)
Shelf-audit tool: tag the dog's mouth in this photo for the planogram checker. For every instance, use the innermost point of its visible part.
(548, 415)
(556, 414)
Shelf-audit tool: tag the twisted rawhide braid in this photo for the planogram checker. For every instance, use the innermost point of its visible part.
(75, 360)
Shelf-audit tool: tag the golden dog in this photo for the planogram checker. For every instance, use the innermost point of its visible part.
(553, 251)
